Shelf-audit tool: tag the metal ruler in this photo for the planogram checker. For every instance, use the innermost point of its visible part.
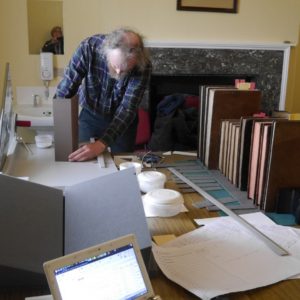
(269, 242)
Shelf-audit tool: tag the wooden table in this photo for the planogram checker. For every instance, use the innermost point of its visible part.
(182, 223)
(168, 290)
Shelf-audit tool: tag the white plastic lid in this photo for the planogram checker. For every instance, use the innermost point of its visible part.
(164, 196)
(152, 176)
(130, 164)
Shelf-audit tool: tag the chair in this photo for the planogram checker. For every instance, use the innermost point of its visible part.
(143, 130)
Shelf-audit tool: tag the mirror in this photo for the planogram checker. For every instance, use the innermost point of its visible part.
(42, 17)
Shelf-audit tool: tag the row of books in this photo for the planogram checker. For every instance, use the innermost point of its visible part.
(235, 149)
(218, 103)
(258, 155)
(229, 149)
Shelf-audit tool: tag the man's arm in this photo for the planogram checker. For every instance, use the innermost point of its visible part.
(74, 73)
(88, 151)
(124, 115)
(126, 112)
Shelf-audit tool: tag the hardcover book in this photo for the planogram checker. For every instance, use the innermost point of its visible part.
(226, 104)
(283, 167)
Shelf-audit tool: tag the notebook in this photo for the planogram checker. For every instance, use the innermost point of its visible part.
(111, 270)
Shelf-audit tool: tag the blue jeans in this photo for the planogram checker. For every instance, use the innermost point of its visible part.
(94, 125)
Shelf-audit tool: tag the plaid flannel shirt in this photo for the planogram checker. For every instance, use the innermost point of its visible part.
(87, 74)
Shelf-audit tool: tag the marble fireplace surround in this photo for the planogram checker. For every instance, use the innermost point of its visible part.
(267, 64)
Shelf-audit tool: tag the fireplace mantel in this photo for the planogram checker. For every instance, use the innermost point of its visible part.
(270, 61)
(216, 45)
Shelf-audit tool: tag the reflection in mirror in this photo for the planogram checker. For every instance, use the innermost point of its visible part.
(56, 44)
(43, 16)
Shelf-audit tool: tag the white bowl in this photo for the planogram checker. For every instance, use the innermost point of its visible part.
(164, 210)
(162, 204)
(164, 197)
(43, 141)
(131, 164)
(151, 180)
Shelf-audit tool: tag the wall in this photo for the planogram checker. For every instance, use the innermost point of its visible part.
(42, 17)
(259, 21)
(293, 92)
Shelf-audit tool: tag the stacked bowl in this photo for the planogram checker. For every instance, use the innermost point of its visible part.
(162, 202)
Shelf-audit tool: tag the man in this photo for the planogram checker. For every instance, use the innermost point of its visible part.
(56, 44)
(110, 73)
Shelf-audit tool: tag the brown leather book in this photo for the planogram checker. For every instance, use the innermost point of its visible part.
(262, 162)
(255, 156)
(244, 150)
(230, 149)
(226, 104)
(204, 94)
(245, 147)
(224, 142)
(235, 154)
(283, 170)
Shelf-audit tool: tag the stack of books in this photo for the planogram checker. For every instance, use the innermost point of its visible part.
(260, 156)
(218, 103)
(278, 165)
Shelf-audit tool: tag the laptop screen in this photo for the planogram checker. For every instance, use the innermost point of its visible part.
(114, 275)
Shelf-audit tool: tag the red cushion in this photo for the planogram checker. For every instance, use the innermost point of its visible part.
(192, 101)
(143, 130)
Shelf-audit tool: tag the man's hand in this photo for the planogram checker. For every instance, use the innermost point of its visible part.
(88, 151)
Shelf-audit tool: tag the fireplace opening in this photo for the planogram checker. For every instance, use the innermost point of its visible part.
(164, 85)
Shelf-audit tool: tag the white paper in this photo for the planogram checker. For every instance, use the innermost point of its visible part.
(223, 257)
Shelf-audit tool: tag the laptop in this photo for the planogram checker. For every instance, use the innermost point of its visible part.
(112, 270)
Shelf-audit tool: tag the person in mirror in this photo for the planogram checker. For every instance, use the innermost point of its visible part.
(56, 44)
(110, 73)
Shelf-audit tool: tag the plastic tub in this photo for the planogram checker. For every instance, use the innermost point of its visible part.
(164, 196)
(151, 180)
(163, 203)
(43, 141)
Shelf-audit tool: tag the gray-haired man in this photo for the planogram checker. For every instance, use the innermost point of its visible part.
(110, 73)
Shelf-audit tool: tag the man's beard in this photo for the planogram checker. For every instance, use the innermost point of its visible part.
(113, 74)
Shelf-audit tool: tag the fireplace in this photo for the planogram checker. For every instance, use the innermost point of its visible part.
(266, 64)
(183, 68)
(162, 85)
